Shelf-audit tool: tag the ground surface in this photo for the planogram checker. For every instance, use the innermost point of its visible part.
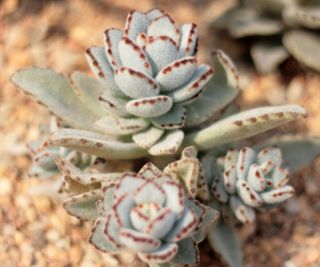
(34, 228)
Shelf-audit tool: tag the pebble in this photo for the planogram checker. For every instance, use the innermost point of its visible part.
(6, 187)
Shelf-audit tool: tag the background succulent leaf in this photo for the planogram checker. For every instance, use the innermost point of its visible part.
(96, 144)
(83, 206)
(54, 91)
(188, 254)
(221, 90)
(243, 125)
(267, 57)
(224, 240)
(308, 17)
(297, 151)
(302, 45)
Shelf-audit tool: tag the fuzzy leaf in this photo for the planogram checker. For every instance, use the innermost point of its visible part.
(83, 206)
(267, 57)
(148, 137)
(89, 89)
(188, 253)
(54, 91)
(218, 92)
(297, 151)
(243, 125)
(120, 126)
(95, 144)
(168, 144)
(174, 119)
(301, 45)
(224, 240)
(98, 240)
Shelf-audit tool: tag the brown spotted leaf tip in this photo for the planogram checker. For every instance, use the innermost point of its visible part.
(243, 125)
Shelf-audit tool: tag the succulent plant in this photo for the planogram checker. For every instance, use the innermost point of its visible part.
(245, 180)
(151, 213)
(150, 97)
(277, 29)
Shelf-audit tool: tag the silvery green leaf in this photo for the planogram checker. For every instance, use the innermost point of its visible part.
(98, 239)
(218, 189)
(135, 84)
(301, 45)
(297, 151)
(112, 125)
(176, 74)
(271, 7)
(83, 206)
(244, 213)
(168, 144)
(89, 89)
(149, 107)
(308, 17)
(54, 91)
(168, 48)
(98, 63)
(162, 255)
(248, 195)
(148, 137)
(133, 57)
(174, 119)
(95, 144)
(267, 57)
(189, 39)
(188, 253)
(221, 90)
(224, 240)
(244, 124)
(114, 103)
(136, 22)
(164, 25)
(196, 83)
(278, 195)
(112, 38)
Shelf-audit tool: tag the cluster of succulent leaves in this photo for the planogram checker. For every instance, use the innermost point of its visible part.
(150, 97)
(278, 29)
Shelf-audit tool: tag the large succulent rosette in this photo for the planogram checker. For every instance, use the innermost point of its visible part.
(246, 180)
(150, 214)
(151, 74)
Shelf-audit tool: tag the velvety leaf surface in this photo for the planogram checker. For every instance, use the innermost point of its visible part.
(96, 144)
(54, 91)
(243, 125)
(223, 239)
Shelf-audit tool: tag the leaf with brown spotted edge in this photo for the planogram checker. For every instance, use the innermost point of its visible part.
(78, 181)
(95, 144)
(83, 206)
(244, 124)
(54, 91)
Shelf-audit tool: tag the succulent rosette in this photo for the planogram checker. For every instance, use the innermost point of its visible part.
(150, 214)
(151, 74)
(246, 180)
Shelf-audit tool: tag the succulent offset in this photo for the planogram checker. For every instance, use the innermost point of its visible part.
(151, 213)
(150, 95)
(245, 180)
(278, 29)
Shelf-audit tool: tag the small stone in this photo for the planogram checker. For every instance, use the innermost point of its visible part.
(6, 187)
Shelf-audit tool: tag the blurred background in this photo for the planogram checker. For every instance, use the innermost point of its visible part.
(34, 228)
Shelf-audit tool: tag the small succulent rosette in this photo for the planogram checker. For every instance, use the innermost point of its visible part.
(149, 213)
(151, 73)
(246, 180)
